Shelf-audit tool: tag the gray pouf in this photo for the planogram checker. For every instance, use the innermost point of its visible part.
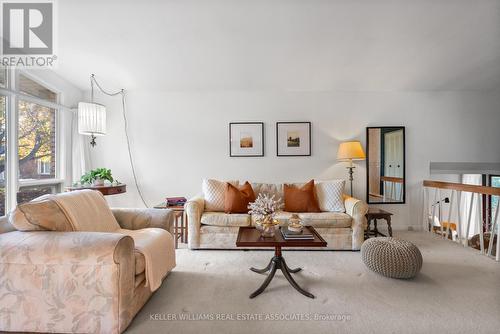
(392, 257)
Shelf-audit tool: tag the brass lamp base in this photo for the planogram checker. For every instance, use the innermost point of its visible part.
(351, 178)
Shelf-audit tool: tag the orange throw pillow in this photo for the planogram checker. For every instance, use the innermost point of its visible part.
(237, 200)
(301, 199)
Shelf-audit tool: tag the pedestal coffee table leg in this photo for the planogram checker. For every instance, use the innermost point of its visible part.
(293, 271)
(262, 271)
(278, 262)
(267, 281)
(290, 279)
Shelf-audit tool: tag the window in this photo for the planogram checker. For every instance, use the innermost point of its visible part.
(36, 144)
(33, 88)
(36, 132)
(36, 140)
(44, 167)
(28, 193)
(28, 139)
(3, 77)
(3, 146)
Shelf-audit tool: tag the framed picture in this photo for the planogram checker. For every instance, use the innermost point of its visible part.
(293, 139)
(246, 139)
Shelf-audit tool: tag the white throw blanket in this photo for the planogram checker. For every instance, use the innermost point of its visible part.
(155, 244)
(88, 211)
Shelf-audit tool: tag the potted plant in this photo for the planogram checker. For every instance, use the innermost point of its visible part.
(97, 177)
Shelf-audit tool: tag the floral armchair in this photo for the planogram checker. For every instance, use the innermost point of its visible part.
(79, 282)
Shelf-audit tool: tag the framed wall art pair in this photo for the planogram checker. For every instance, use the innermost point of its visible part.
(246, 139)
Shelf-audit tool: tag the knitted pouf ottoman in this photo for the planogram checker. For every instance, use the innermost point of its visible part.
(391, 257)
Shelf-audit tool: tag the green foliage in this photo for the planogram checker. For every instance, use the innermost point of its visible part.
(98, 173)
(36, 139)
(36, 133)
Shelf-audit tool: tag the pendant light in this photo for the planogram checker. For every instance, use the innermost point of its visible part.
(91, 117)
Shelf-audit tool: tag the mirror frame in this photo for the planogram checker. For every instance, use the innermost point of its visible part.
(368, 161)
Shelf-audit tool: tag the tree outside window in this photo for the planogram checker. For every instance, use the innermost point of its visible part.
(36, 141)
(36, 138)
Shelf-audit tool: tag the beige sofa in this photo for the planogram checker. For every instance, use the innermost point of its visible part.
(218, 230)
(74, 282)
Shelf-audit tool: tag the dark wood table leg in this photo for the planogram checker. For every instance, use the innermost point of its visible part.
(367, 232)
(278, 262)
(293, 271)
(186, 227)
(375, 229)
(290, 279)
(389, 227)
(262, 271)
(176, 231)
(268, 279)
(182, 227)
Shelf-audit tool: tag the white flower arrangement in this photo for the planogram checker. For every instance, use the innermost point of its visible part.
(265, 206)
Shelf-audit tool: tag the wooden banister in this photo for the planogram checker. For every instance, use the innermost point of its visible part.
(462, 187)
(392, 179)
(461, 231)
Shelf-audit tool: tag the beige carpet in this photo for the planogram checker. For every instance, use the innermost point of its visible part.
(457, 291)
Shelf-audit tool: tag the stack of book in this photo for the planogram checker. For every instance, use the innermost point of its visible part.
(290, 235)
(175, 201)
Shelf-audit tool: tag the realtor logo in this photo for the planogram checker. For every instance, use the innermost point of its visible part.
(27, 28)
(28, 34)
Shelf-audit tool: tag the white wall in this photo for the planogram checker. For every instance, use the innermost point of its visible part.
(178, 138)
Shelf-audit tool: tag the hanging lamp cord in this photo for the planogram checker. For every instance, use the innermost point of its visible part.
(125, 121)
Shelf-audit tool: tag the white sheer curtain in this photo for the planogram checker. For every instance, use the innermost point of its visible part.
(80, 151)
(475, 179)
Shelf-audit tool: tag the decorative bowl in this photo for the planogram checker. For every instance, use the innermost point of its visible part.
(267, 227)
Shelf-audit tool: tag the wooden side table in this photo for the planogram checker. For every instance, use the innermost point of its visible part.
(180, 222)
(375, 214)
(105, 190)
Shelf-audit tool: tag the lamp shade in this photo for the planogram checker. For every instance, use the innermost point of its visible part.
(350, 150)
(91, 119)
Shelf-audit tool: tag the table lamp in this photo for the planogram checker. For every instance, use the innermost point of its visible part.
(350, 151)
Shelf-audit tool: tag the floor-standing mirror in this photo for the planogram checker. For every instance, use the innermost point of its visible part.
(385, 164)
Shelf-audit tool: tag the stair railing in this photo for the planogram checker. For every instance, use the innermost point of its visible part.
(455, 191)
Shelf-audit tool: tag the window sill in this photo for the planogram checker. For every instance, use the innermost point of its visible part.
(27, 183)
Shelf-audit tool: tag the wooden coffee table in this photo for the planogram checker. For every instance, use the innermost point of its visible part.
(250, 237)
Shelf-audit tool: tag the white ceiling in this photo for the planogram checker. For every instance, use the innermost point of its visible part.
(360, 45)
